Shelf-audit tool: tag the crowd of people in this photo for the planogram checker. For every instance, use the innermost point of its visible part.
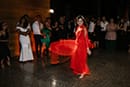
(109, 34)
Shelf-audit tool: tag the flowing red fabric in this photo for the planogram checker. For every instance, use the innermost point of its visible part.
(63, 47)
(79, 58)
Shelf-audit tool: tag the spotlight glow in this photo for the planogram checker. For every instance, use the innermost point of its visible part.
(51, 11)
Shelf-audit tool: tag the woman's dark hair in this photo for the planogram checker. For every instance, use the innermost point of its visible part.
(82, 17)
(25, 24)
(84, 20)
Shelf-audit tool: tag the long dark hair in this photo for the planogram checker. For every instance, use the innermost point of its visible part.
(25, 23)
(84, 20)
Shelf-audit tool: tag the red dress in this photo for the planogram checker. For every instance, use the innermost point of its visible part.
(62, 47)
(79, 58)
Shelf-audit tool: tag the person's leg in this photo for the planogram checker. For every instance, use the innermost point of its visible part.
(114, 45)
(8, 56)
(108, 45)
(40, 49)
(8, 61)
(2, 63)
(36, 44)
(43, 49)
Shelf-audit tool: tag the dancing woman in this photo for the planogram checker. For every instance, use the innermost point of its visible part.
(79, 58)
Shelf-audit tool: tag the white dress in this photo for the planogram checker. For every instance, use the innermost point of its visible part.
(26, 53)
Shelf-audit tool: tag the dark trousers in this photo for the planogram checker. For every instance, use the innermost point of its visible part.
(110, 45)
(38, 44)
(102, 40)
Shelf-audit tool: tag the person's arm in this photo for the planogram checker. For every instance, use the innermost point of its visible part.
(88, 42)
(125, 27)
(20, 32)
(28, 29)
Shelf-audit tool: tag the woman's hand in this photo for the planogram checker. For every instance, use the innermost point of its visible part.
(89, 51)
(76, 42)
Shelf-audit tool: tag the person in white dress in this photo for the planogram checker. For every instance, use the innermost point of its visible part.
(24, 29)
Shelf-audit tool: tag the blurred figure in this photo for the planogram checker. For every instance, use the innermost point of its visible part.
(128, 37)
(121, 35)
(97, 33)
(62, 28)
(37, 27)
(91, 28)
(55, 32)
(24, 30)
(46, 33)
(111, 36)
(103, 24)
(4, 49)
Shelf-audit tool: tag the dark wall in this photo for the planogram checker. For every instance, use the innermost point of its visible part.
(90, 7)
(12, 10)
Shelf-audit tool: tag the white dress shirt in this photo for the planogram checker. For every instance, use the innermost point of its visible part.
(37, 27)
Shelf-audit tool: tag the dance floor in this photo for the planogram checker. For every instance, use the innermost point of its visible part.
(107, 70)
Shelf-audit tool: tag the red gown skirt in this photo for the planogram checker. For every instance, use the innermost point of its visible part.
(79, 61)
(63, 48)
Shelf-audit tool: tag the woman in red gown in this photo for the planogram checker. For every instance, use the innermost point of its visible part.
(79, 59)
